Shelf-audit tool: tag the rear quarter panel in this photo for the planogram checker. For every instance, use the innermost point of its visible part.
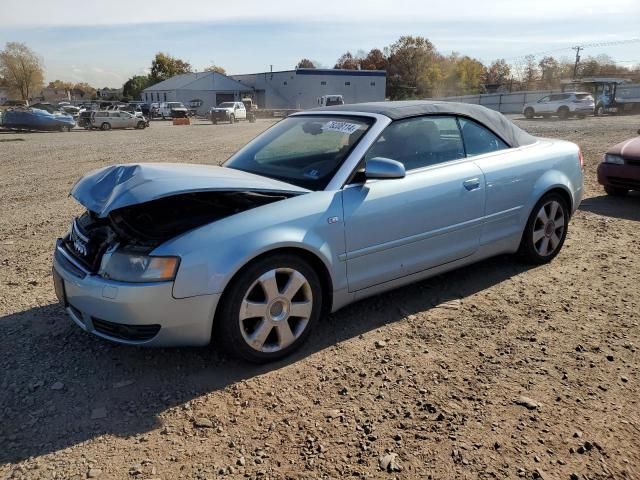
(517, 178)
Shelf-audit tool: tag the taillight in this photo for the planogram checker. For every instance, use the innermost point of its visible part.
(581, 158)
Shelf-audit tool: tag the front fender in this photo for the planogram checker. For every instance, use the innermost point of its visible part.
(211, 255)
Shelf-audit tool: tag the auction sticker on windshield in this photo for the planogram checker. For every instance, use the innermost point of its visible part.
(342, 127)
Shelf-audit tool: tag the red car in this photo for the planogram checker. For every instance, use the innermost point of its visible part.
(619, 170)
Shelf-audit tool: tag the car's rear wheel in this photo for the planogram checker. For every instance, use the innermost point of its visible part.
(546, 229)
(105, 126)
(599, 110)
(269, 309)
(528, 112)
(563, 113)
(232, 118)
(615, 191)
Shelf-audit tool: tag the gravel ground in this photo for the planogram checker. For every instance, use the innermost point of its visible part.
(423, 382)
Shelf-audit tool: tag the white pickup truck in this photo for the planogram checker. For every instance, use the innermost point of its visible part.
(228, 112)
(172, 109)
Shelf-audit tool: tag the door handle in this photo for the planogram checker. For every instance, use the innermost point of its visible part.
(471, 184)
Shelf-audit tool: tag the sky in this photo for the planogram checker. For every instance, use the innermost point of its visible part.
(106, 43)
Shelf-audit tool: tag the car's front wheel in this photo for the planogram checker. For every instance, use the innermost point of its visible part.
(105, 126)
(528, 112)
(546, 229)
(269, 309)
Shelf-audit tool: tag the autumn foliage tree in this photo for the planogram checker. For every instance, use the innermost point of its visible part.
(305, 63)
(215, 68)
(21, 70)
(347, 62)
(165, 66)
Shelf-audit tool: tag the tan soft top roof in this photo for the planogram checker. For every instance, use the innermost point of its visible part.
(493, 120)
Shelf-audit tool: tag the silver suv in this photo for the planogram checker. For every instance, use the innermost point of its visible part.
(564, 105)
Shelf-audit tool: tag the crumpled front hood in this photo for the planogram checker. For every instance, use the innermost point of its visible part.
(118, 186)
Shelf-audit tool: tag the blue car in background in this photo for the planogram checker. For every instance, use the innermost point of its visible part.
(36, 119)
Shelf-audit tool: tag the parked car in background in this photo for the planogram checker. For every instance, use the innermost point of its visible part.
(84, 119)
(36, 119)
(71, 110)
(228, 112)
(308, 217)
(172, 110)
(619, 170)
(563, 105)
(330, 100)
(154, 109)
(108, 119)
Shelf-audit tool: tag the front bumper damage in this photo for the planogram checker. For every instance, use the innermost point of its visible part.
(131, 313)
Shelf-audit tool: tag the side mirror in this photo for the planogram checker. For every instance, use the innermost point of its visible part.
(383, 168)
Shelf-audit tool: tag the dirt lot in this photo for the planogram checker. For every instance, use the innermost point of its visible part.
(428, 373)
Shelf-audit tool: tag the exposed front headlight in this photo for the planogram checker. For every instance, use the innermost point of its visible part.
(134, 267)
(616, 159)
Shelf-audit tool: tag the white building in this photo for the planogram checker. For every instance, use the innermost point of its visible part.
(208, 89)
(300, 89)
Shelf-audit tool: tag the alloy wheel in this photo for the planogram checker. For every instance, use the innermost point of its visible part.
(548, 228)
(276, 310)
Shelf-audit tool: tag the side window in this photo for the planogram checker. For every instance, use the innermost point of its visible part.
(420, 142)
(478, 139)
(544, 99)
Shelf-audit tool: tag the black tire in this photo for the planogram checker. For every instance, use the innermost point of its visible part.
(529, 249)
(599, 112)
(227, 331)
(563, 113)
(615, 191)
(141, 125)
(528, 113)
(232, 118)
(105, 126)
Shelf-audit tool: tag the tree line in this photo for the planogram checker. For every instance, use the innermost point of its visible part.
(414, 67)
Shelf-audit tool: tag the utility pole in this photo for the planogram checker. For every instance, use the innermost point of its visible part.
(575, 66)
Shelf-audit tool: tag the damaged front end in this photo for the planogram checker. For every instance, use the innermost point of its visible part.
(132, 209)
(96, 242)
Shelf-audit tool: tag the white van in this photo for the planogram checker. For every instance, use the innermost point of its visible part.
(330, 100)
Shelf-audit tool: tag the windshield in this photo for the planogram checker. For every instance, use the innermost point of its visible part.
(303, 150)
(226, 104)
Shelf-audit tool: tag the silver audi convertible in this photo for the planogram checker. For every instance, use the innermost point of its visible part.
(326, 207)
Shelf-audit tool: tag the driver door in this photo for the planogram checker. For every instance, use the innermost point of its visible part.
(432, 216)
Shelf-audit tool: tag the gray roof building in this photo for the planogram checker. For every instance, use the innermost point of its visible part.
(208, 89)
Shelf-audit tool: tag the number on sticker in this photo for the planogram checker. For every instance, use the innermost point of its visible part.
(342, 127)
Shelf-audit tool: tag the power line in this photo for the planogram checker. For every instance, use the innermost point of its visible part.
(582, 46)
